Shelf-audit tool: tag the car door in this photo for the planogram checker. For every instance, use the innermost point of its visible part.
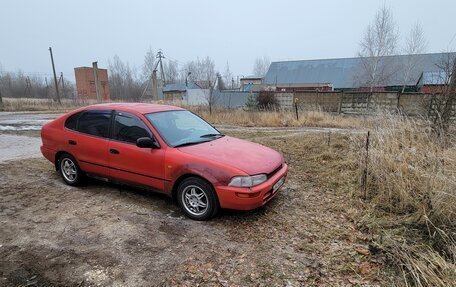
(91, 141)
(128, 162)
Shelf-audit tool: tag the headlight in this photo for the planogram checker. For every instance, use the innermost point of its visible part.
(248, 181)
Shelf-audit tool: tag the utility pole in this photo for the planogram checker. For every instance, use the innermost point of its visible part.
(160, 56)
(55, 76)
(154, 79)
(97, 82)
(28, 87)
(63, 84)
(154, 85)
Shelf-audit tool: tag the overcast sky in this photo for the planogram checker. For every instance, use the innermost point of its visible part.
(227, 31)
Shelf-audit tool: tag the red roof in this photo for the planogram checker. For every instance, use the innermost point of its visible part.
(142, 108)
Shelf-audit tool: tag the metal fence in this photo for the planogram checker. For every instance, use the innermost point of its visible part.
(232, 99)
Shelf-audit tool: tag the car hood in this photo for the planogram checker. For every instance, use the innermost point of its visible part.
(252, 158)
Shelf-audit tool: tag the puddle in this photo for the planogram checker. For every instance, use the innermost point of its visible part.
(24, 122)
(19, 128)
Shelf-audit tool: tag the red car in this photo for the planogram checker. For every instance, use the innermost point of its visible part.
(166, 149)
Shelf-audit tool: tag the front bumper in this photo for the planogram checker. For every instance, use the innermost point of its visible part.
(247, 198)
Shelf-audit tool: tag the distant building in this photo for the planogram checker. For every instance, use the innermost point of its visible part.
(190, 94)
(178, 91)
(250, 84)
(85, 83)
(432, 82)
(308, 87)
(348, 73)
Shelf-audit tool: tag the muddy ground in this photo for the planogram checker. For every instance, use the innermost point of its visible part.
(110, 235)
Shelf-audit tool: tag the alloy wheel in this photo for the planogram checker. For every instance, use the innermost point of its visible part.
(195, 200)
(69, 170)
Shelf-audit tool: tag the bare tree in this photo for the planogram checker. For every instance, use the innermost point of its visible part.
(261, 66)
(201, 71)
(444, 105)
(21, 85)
(1, 77)
(415, 44)
(1, 100)
(123, 83)
(212, 95)
(186, 72)
(148, 65)
(379, 41)
(228, 77)
(171, 71)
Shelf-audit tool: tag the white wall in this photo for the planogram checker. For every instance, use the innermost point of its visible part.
(196, 97)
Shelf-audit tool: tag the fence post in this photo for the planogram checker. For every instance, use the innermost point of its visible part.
(341, 95)
(365, 171)
(296, 108)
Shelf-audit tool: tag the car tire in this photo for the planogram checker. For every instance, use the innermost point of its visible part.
(197, 199)
(69, 170)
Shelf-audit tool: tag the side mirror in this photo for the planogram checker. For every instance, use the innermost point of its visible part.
(146, 142)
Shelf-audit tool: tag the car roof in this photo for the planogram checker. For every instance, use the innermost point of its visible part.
(142, 108)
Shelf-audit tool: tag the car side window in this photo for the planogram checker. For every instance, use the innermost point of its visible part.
(128, 128)
(95, 123)
(72, 122)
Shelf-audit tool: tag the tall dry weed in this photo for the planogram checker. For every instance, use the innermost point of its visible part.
(278, 118)
(411, 181)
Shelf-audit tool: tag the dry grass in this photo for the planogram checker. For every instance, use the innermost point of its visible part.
(30, 104)
(410, 210)
(411, 192)
(278, 118)
(273, 118)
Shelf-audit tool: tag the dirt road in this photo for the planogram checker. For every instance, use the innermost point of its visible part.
(110, 235)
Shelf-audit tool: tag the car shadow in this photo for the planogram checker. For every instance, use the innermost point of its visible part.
(144, 197)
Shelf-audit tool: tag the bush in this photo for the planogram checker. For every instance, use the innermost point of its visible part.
(267, 101)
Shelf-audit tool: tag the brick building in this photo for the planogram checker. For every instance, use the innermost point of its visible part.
(85, 83)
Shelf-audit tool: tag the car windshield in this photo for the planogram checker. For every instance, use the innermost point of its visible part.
(179, 128)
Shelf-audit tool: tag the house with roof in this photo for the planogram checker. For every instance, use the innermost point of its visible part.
(393, 73)
(177, 91)
(187, 93)
(250, 84)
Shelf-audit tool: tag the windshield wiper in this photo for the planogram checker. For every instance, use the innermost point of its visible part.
(191, 143)
(212, 135)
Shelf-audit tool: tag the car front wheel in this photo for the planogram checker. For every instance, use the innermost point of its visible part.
(69, 170)
(197, 199)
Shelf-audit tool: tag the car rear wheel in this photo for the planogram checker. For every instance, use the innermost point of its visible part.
(69, 170)
(197, 199)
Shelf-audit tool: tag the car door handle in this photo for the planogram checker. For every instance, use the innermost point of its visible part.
(72, 142)
(114, 151)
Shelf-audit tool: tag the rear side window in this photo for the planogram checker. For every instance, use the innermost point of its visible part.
(128, 128)
(95, 123)
(72, 122)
